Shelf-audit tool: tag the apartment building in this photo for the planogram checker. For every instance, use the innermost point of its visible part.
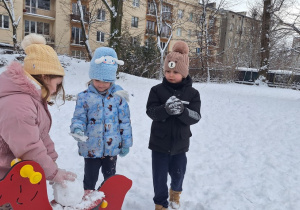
(59, 23)
(239, 40)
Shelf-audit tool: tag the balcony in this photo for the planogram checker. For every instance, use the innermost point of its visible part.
(49, 39)
(39, 13)
(165, 35)
(150, 31)
(76, 17)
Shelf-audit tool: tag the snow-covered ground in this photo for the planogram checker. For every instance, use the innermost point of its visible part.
(244, 152)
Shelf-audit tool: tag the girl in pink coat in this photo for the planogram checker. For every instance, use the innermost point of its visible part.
(25, 120)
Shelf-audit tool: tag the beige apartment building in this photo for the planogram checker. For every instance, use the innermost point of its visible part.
(58, 22)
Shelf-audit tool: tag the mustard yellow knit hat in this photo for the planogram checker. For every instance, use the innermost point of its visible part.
(40, 58)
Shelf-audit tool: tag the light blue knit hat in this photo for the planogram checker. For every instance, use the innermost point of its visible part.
(104, 64)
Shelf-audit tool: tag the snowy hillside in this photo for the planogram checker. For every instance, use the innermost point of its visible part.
(244, 152)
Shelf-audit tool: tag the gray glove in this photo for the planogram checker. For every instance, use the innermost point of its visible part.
(174, 106)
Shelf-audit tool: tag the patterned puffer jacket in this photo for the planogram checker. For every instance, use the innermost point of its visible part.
(105, 120)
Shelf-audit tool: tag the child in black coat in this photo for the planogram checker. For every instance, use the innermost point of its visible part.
(173, 106)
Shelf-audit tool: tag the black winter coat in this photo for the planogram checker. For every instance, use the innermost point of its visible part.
(171, 133)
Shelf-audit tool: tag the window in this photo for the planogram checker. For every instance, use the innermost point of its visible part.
(77, 37)
(180, 14)
(78, 54)
(198, 50)
(165, 31)
(101, 15)
(4, 21)
(32, 5)
(191, 17)
(76, 11)
(36, 27)
(44, 4)
(178, 32)
(151, 8)
(134, 22)
(136, 3)
(166, 12)
(134, 40)
(150, 27)
(100, 36)
(189, 33)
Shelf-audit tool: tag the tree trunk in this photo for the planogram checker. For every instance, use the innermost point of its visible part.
(85, 37)
(265, 38)
(116, 25)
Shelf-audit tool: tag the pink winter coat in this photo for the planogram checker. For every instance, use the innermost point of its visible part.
(24, 122)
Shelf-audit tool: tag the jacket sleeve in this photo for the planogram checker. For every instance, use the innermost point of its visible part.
(191, 113)
(125, 123)
(21, 133)
(79, 119)
(154, 109)
(50, 148)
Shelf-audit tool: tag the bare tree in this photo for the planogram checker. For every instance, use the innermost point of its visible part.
(84, 32)
(270, 8)
(116, 13)
(207, 33)
(9, 6)
(162, 20)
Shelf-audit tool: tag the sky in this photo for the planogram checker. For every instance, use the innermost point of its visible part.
(244, 152)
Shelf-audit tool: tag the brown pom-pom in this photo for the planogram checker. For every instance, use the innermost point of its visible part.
(181, 47)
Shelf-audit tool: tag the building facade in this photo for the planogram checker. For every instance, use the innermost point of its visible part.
(208, 32)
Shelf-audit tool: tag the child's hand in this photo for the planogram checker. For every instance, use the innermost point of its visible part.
(63, 175)
(78, 132)
(124, 151)
(78, 135)
(174, 106)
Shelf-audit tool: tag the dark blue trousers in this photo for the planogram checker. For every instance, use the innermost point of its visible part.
(92, 167)
(162, 165)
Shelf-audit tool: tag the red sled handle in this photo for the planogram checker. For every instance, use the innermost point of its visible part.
(115, 189)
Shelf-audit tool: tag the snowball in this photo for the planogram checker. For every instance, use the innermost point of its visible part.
(69, 196)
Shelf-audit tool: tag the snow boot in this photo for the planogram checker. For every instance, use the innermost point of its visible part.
(160, 207)
(174, 199)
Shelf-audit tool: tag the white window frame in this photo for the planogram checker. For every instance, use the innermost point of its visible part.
(179, 32)
(101, 36)
(180, 14)
(150, 26)
(191, 17)
(3, 17)
(134, 22)
(101, 15)
(80, 38)
(136, 3)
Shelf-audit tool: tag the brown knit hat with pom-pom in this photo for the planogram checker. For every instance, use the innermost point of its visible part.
(178, 59)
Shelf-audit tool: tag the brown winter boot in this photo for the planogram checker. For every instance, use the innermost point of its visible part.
(159, 207)
(174, 199)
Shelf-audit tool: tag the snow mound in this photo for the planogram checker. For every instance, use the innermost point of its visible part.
(69, 196)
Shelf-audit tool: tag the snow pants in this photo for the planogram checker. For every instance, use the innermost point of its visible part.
(162, 165)
(92, 167)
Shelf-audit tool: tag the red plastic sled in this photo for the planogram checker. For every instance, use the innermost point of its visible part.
(24, 187)
(20, 193)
